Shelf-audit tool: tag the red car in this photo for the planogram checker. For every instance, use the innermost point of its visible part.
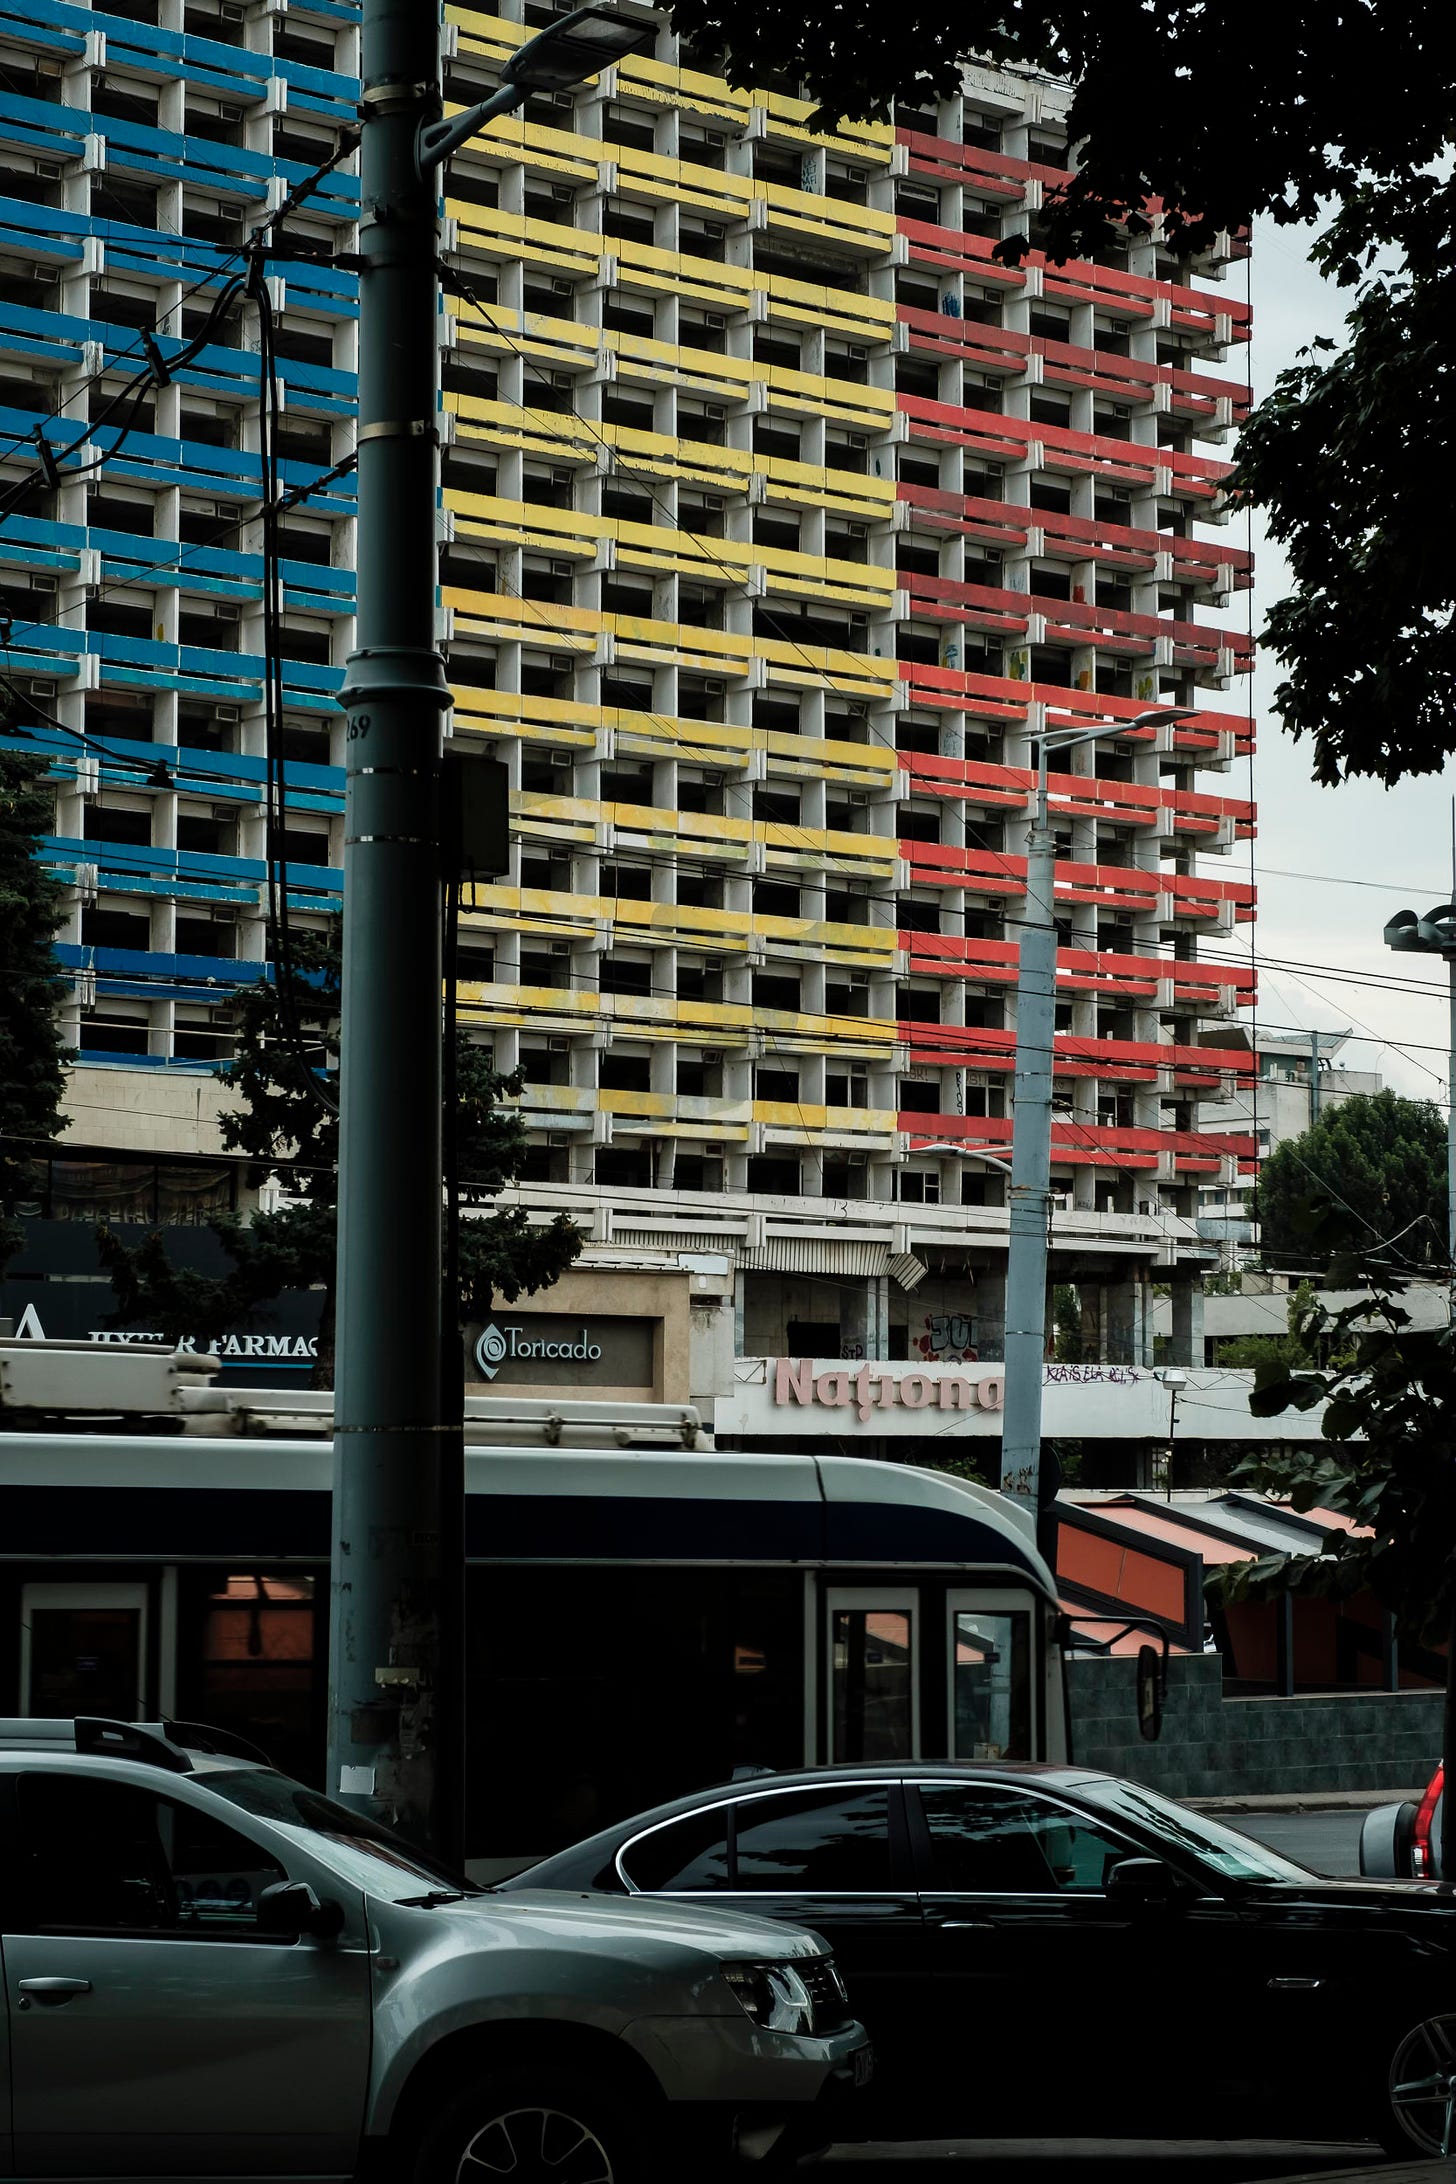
(1402, 1842)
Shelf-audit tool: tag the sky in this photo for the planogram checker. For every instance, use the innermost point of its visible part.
(1365, 851)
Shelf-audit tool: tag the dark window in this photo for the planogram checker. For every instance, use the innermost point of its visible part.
(813, 1839)
(691, 1853)
(96, 1854)
(989, 1840)
(107, 824)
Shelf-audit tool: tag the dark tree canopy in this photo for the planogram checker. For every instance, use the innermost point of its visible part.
(292, 1138)
(1370, 1173)
(1388, 1465)
(1216, 114)
(1220, 112)
(32, 1075)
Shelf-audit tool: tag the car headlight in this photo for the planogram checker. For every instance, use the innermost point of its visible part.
(773, 1995)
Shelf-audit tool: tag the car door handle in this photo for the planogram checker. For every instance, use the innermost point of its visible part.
(966, 1926)
(1295, 1985)
(51, 1989)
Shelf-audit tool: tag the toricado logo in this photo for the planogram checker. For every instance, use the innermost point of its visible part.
(493, 1348)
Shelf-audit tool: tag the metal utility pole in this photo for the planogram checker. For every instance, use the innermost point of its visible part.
(397, 1429)
(1031, 1141)
(1435, 934)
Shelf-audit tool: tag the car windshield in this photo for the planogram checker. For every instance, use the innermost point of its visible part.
(1236, 1857)
(359, 1849)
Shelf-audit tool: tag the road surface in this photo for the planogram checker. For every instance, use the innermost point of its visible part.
(1081, 2161)
(1326, 1842)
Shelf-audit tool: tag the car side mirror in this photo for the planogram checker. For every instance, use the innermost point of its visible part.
(1149, 1693)
(1143, 1881)
(290, 1908)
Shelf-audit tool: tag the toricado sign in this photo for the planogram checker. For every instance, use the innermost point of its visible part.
(494, 1348)
(553, 1350)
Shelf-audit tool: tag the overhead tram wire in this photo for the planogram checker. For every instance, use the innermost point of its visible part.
(146, 339)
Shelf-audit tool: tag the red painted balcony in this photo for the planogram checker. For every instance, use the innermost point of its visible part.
(1084, 1145)
(1076, 538)
(1131, 296)
(1101, 971)
(1076, 796)
(1113, 887)
(1195, 396)
(1125, 463)
(1115, 1061)
(1001, 698)
(1075, 622)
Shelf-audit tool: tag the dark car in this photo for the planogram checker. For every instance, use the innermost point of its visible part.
(1036, 1948)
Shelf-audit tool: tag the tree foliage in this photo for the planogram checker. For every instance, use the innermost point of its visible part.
(1214, 115)
(1370, 1172)
(291, 1139)
(32, 1058)
(1392, 1473)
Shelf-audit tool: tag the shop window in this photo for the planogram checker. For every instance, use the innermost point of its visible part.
(248, 1644)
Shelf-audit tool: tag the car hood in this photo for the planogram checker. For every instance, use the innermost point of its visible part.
(575, 1918)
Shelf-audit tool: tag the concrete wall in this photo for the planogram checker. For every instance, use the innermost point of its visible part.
(1217, 1747)
(144, 1112)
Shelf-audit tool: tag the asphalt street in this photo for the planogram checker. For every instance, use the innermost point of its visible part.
(1082, 2161)
(1326, 1842)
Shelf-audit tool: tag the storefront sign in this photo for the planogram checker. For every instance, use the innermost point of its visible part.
(554, 1350)
(881, 1387)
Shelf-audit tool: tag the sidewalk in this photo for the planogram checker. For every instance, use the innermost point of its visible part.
(1392, 2172)
(1303, 1801)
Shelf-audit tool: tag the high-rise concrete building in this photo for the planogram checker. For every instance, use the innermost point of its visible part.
(779, 520)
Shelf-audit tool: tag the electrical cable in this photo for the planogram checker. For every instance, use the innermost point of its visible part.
(280, 933)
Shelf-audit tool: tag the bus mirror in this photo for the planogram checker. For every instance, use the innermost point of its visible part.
(1149, 1693)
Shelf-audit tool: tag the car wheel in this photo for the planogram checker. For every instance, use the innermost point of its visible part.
(537, 2126)
(1420, 2102)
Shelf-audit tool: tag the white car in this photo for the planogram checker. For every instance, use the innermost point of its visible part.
(211, 1970)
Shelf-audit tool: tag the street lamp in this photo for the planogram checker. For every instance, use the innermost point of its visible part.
(1435, 934)
(1031, 1142)
(564, 53)
(395, 1703)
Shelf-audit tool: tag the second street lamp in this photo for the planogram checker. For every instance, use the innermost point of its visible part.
(395, 1718)
(1031, 1140)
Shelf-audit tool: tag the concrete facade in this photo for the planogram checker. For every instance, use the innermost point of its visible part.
(1217, 1747)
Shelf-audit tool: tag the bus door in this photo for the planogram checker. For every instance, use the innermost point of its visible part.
(992, 1683)
(872, 1650)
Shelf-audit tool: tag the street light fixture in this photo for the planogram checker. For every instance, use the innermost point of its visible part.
(566, 52)
(1031, 1142)
(1435, 934)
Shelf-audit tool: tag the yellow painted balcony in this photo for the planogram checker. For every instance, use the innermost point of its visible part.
(691, 1023)
(564, 439)
(663, 550)
(676, 1115)
(557, 721)
(554, 344)
(548, 914)
(491, 38)
(797, 1122)
(497, 615)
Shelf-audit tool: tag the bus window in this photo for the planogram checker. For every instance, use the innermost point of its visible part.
(990, 1683)
(872, 1675)
(82, 1648)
